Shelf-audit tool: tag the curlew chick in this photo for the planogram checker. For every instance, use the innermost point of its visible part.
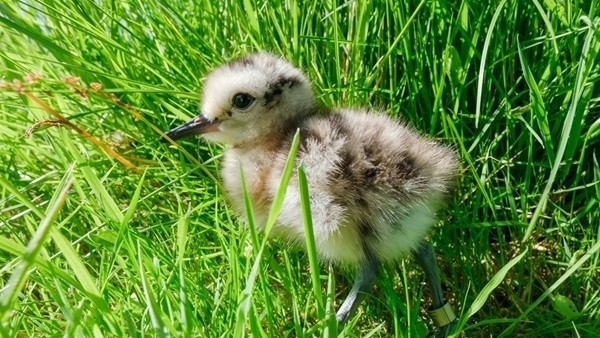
(375, 184)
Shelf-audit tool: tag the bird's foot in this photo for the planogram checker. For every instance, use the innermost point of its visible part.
(444, 320)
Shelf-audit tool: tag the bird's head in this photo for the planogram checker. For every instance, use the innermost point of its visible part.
(247, 100)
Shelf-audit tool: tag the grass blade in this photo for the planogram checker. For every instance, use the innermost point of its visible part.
(573, 120)
(486, 49)
(487, 291)
(245, 298)
(311, 247)
(570, 271)
(17, 280)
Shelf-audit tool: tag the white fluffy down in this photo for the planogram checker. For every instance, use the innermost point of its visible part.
(375, 184)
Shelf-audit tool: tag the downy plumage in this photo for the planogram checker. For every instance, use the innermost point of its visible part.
(375, 184)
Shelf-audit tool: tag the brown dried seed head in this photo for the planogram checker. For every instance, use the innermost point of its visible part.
(17, 85)
(4, 85)
(96, 86)
(71, 80)
(32, 78)
(118, 139)
(114, 98)
(41, 124)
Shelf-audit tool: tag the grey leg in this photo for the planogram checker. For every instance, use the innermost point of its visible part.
(365, 277)
(426, 258)
(441, 314)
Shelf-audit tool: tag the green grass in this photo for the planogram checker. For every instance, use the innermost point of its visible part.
(115, 234)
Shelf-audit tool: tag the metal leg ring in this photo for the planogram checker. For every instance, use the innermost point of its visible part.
(442, 316)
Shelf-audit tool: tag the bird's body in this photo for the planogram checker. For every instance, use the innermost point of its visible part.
(375, 184)
(373, 188)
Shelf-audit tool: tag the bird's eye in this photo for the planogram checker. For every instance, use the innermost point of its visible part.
(242, 100)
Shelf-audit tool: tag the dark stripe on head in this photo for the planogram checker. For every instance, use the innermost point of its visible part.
(278, 86)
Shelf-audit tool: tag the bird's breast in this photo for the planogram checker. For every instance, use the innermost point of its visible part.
(257, 170)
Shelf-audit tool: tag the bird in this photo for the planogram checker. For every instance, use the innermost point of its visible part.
(375, 183)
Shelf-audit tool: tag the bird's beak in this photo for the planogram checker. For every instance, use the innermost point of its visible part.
(197, 125)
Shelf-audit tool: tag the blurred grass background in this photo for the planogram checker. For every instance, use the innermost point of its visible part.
(106, 232)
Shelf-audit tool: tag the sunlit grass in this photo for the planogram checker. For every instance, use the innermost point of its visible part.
(106, 231)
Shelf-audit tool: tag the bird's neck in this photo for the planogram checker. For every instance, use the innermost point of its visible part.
(277, 134)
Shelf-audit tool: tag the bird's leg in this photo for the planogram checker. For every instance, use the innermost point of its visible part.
(365, 277)
(425, 256)
(442, 314)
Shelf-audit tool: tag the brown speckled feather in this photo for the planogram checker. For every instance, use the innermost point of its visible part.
(375, 184)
